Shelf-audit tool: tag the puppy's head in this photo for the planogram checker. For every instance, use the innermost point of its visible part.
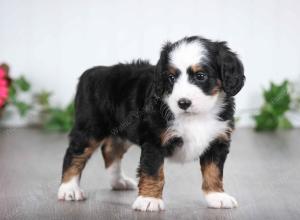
(194, 72)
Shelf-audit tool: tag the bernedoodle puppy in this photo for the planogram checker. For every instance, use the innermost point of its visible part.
(181, 109)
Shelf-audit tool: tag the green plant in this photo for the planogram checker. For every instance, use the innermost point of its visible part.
(60, 119)
(277, 101)
(53, 118)
(18, 86)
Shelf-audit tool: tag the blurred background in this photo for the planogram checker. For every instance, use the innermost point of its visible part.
(51, 42)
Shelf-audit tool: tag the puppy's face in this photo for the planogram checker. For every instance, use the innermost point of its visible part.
(195, 71)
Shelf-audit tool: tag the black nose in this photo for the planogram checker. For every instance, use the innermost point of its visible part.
(184, 103)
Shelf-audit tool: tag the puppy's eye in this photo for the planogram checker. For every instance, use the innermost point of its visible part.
(201, 77)
(171, 78)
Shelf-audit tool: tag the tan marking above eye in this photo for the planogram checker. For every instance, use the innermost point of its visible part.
(196, 68)
(172, 70)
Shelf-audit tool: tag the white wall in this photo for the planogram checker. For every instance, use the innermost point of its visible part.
(54, 41)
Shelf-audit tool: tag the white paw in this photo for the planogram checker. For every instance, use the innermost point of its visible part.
(220, 200)
(123, 183)
(148, 204)
(70, 191)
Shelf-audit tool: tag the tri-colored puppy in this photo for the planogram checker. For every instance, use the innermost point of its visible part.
(180, 109)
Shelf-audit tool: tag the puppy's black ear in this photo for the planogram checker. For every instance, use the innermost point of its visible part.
(157, 82)
(231, 70)
(159, 70)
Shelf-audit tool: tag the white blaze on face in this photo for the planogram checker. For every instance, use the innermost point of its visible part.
(182, 57)
(187, 54)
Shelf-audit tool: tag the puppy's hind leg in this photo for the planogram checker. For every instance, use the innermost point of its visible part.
(80, 150)
(113, 149)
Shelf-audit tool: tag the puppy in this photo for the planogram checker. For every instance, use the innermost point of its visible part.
(181, 109)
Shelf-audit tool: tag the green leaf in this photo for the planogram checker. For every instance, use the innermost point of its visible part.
(22, 107)
(60, 119)
(266, 121)
(12, 93)
(278, 98)
(43, 98)
(22, 84)
(70, 109)
(277, 103)
(284, 123)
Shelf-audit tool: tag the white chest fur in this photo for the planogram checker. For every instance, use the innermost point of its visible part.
(197, 132)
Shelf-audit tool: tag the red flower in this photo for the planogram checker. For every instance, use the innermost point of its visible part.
(4, 86)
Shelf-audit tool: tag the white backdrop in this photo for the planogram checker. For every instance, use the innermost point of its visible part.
(54, 41)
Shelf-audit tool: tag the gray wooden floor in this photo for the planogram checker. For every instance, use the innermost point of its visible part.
(262, 172)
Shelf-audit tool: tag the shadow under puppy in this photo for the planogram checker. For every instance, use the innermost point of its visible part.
(181, 109)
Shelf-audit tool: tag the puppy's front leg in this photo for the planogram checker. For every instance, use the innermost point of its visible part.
(212, 163)
(151, 181)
